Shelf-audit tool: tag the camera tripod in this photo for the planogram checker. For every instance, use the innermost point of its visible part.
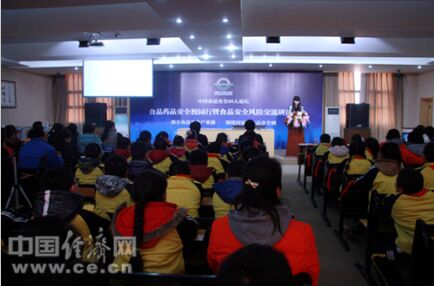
(16, 192)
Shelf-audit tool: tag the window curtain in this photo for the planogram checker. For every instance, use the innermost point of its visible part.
(75, 112)
(76, 100)
(346, 94)
(380, 94)
(60, 99)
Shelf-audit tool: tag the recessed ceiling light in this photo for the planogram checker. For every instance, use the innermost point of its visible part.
(171, 66)
(199, 48)
(320, 66)
(192, 37)
(178, 20)
(222, 65)
(233, 56)
(419, 67)
(76, 68)
(205, 56)
(370, 67)
(225, 20)
(270, 65)
(231, 48)
(228, 36)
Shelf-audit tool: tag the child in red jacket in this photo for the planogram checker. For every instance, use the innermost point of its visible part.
(259, 217)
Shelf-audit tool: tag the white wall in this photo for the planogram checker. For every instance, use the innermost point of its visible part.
(34, 95)
(415, 88)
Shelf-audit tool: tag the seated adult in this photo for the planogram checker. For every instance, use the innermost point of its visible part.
(414, 203)
(427, 170)
(145, 137)
(195, 127)
(37, 153)
(255, 264)
(154, 223)
(260, 217)
(251, 135)
(382, 176)
(88, 137)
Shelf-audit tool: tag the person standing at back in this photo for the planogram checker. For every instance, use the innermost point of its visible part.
(195, 127)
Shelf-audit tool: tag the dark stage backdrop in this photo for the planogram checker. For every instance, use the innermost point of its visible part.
(227, 99)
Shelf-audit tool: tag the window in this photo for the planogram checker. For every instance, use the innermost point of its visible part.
(357, 86)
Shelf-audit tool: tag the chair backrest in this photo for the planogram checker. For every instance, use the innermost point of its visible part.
(302, 279)
(422, 259)
(87, 190)
(159, 279)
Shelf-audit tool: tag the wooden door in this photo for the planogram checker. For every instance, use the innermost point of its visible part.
(425, 118)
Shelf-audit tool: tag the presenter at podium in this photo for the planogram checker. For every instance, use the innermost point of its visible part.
(296, 120)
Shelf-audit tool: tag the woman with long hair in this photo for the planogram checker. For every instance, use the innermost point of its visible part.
(260, 217)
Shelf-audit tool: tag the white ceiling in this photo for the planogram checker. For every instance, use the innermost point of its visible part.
(390, 35)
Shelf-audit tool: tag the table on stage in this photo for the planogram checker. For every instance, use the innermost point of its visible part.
(211, 133)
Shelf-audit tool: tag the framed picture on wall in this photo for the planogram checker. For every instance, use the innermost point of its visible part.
(9, 99)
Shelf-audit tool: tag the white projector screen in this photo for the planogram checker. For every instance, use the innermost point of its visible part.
(129, 78)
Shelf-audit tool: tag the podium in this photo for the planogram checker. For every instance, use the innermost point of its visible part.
(295, 137)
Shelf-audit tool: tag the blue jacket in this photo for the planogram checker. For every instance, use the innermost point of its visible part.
(86, 139)
(32, 152)
(229, 189)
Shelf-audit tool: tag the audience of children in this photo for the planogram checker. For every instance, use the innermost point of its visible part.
(153, 196)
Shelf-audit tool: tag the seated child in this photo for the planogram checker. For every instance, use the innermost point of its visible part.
(215, 160)
(145, 137)
(412, 153)
(111, 189)
(226, 191)
(323, 146)
(58, 199)
(414, 203)
(427, 170)
(357, 165)
(159, 157)
(260, 217)
(155, 224)
(371, 149)
(138, 164)
(123, 147)
(89, 167)
(181, 189)
(200, 171)
(178, 149)
(382, 176)
(191, 142)
(338, 152)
